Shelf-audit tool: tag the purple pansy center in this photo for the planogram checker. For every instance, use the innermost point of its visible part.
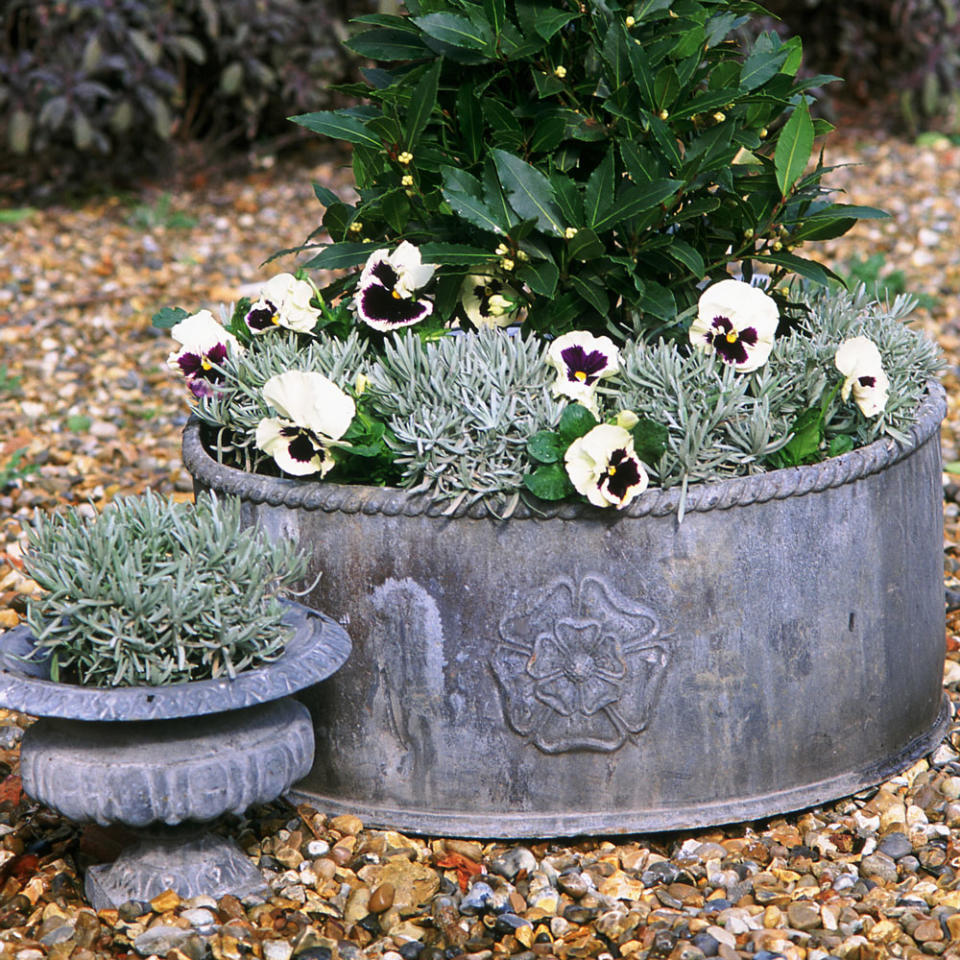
(385, 274)
(584, 367)
(381, 305)
(484, 291)
(867, 381)
(200, 365)
(303, 444)
(621, 474)
(263, 316)
(729, 342)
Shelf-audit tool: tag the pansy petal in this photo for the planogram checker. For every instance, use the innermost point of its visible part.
(412, 272)
(312, 401)
(291, 297)
(292, 449)
(594, 461)
(859, 360)
(738, 321)
(380, 309)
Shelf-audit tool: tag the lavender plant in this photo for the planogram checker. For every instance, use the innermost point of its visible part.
(155, 592)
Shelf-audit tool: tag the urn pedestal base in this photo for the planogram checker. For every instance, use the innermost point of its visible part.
(169, 780)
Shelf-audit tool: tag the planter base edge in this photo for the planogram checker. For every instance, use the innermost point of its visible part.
(506, 825)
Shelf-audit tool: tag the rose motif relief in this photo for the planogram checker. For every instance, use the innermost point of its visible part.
(579, 666)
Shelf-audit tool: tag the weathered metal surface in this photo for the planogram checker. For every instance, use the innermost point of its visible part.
(595, 672)
(167, 771)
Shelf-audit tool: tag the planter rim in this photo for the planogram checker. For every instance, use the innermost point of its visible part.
(317, 649)
(657, 502)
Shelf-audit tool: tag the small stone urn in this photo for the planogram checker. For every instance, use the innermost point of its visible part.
(168, 760)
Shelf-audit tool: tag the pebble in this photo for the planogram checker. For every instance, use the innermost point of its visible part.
(161, 940)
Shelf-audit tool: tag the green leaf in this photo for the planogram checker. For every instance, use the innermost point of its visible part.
(591, 291)
(455, 254)
(762, 64)
(325, 195)
(658, 301)
(642, 74)
(616, 55)
(646, 8)
(169, 317)
(338, 124)
(462, 191)
(794, 146)
(585, 245)
(456, 30)
(470, 118)
(804, 445)
(395, 209)
(840, 444)
(496, 13)
(388, 44)
(540, 276)
(801, 266)
(636, 199)
(495, 197)
(422, 102)
(575, 421)
(339, 256)
(541, 18)
(528, 191)
(649, 440)
(599, 193)
(549, 482)
(689, 256)
(545, 446)
(547, 135)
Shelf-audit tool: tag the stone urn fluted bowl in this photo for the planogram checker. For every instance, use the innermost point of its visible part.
(579, 671)
(168, 760)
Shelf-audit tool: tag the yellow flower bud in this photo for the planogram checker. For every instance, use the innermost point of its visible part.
(664, 114)
(355, 227)
(629, 22)
(405, 157)
(570, 233)
(626, 419)
(560, 72)
(719, 116)
(501, 249)
(507, 264)
(522, 256)
(406, 180)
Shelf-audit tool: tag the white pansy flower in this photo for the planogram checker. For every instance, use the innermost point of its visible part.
(313, 413)
(284, 302)
(204, 346)
(488, 301)
(581, 361)
(604, 467)
(858, 359)
(385, 294)
(737, 321)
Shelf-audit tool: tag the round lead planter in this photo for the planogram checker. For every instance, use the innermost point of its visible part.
(585, 671)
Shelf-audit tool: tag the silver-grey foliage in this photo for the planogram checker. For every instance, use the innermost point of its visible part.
(461, 410)
(722, 423)
(153, 592)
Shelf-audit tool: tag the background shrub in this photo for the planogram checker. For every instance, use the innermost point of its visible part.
(905, 52)
(121, 78)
